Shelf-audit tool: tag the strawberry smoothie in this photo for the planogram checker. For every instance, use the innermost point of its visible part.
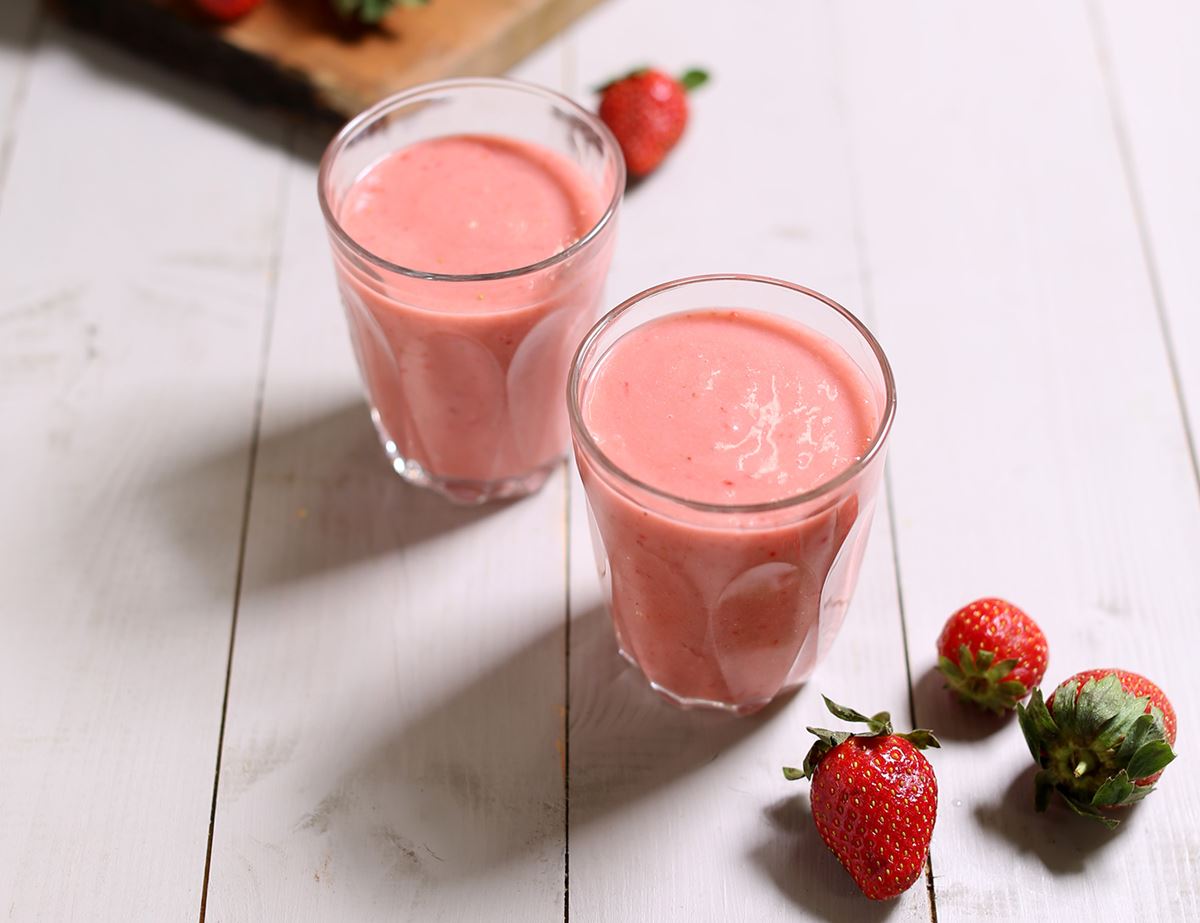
(470, 265)
(710, 437)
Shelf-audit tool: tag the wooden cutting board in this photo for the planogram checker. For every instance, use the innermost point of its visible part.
(301, 55)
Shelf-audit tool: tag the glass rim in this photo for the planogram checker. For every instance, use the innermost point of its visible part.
(415, 93)
(593, 449)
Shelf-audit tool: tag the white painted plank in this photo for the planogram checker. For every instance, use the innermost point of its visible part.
(135, 240)
(1039, 452)
(392, 750)
(1148, 53)
(686, 816)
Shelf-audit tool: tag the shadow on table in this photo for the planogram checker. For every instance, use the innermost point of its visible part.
(1059, 838)
(806, 872)
(940, 710)
(475, 783)
(324, 498)
(20, 27)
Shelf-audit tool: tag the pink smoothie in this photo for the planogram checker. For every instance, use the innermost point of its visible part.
(466, 377)
(729, 408)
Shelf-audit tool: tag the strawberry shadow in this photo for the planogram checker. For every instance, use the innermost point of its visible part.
(951, 719)
(800, 865)
(1061, 840)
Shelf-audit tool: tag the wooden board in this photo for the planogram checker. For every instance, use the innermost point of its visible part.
(300, 54)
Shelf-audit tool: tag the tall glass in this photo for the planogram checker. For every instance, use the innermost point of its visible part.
(727, 606)
(464, 373)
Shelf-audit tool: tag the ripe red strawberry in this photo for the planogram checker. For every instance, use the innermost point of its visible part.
(1102, 741)
(227, 10)
(992, 654)
(647, 111)
(874, 799)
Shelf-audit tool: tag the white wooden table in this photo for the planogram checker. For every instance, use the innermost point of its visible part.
(246, 675)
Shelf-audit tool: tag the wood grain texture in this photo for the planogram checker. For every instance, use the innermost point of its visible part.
(301, 54)
(1154, 83)
(1040, 454)
(995, 189)
(686, 816)
(135, 240)
(393, 746)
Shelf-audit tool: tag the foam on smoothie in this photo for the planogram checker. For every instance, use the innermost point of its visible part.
(464, 204)
(730, 407)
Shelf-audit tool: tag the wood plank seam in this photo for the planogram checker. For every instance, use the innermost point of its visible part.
(866, 286)
(289, 151)
(1120, 129)
(17, 103)
(566, 718)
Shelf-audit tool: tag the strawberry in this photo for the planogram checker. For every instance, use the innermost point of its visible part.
(647, 112)
(227, 10)
(992, 654)
(1102, 741)
(874, 799)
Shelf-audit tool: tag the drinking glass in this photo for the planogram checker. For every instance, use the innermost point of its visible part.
(464, 373)
(727, 606)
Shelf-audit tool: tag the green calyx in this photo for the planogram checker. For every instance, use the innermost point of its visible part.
(371, 11)
(878, 725)
(979, 680)
(1097, 749)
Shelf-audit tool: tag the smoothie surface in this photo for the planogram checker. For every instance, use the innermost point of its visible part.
(730, 407)
(464, 204)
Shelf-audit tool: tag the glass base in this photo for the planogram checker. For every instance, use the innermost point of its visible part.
(463, 491)
(684, 702)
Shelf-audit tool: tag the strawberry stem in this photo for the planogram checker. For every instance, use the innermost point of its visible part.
(693, 78)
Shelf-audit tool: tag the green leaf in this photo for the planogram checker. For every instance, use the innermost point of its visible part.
(792, 774)
(1043, 788)
(1037, 724)
(880, 723)
(372, 11)
(1086, 810)
(949, 668)
(849, 714)
(922, 738)
(998, 671)
(1115, 790)
(1014, 688)
(1099, 702)
(1124, 722)
(826, 741)
(694, 77)
(983, 660)
(1150, 758)
(1064, 703)
(1143, 730)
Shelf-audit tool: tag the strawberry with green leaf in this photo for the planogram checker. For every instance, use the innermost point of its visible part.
(647, 111)
(992, 654)
(874, 800)
(1102, 741)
